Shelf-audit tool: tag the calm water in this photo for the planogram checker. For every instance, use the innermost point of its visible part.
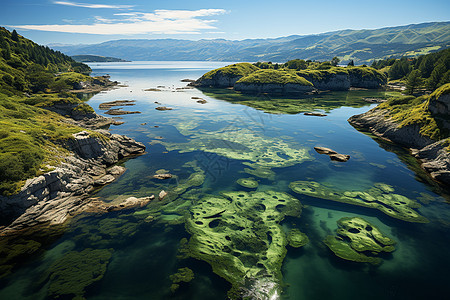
(188, 140)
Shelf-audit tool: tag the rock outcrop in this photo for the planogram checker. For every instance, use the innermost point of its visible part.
(59, 194)
(289, 88)
(434, 157)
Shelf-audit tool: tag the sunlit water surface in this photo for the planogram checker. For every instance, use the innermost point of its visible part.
(145, 252)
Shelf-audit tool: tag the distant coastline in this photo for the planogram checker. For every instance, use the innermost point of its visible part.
(96, 58)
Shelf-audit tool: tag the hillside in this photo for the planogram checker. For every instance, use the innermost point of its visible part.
(361, 46)
(95, 58)
(34, 80)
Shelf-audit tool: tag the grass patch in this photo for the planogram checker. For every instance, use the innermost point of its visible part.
(409, 110)
(270, 76)
(30, 139)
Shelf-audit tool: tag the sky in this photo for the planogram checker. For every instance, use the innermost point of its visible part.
(96, 21)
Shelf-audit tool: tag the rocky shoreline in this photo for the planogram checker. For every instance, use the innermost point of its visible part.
(56, 196)
(434, 158)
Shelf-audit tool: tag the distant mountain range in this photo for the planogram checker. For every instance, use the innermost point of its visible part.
(362, 46)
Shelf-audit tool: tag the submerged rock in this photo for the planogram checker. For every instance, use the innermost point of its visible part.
(163, 108)
(162, 176)
(111, 104)
(332, 154)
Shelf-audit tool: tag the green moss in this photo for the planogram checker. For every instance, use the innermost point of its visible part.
(358, 240)
(30, 139)
(248, 183)
(408, 111)
(234, 70)
(72, 79)
(261, 172)
(379, 197)
(70, 275)
(273, 77)
(322, 75)
(239, 234)
(296, 238)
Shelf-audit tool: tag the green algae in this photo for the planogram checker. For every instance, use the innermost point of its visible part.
(261, 173)
(246, 145)
(105, 232)
(239, 234)
(296, 238)
(70, 275)
(379, 197)
(358, 240)
(182, 275)
(249, 183)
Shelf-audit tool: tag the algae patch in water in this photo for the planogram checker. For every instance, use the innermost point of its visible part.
(70, 275)
(358, 240)
(249, 183)
(244, 144)
(380, 197)
(239, 235)
(296, 238)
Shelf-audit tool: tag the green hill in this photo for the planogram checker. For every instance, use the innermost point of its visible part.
(31, 77)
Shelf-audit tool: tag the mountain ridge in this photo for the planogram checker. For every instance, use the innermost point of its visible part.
(362, 46)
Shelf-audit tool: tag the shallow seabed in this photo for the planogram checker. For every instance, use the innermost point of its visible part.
(208, 147)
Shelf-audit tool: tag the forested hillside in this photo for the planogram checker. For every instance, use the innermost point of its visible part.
(33, 76)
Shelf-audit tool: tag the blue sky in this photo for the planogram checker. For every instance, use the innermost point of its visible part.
(93, 21)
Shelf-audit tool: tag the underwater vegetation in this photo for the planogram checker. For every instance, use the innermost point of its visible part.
(358, 240)
(182, 275)
(239, 235)
(70, 275)
(244, 144)
(249, 183)
(296, 238)
(380, 197)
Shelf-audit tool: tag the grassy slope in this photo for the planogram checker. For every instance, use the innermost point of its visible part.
(235, 70)
(31, 137)
(273, 76)
(409, 110)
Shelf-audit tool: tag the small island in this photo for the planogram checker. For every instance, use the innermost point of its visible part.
(293, 77)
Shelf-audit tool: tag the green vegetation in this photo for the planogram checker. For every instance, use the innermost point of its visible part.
(95, 58)
(409, 110)
(296, 238)
(358, 240)
(31, 138)
(379, 197)
(249, 183)
(70, 275)
(273, 77)
(235, 70)
(182, 275)
(240, 236)
(424, 72)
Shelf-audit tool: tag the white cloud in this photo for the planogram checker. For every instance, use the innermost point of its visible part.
(160, 22)
(87, 5)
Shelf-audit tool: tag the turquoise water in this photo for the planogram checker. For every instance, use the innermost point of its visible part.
(191, 138)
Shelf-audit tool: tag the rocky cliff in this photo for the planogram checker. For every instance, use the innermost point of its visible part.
(289, 88)
(57, 195)
(421, 125)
